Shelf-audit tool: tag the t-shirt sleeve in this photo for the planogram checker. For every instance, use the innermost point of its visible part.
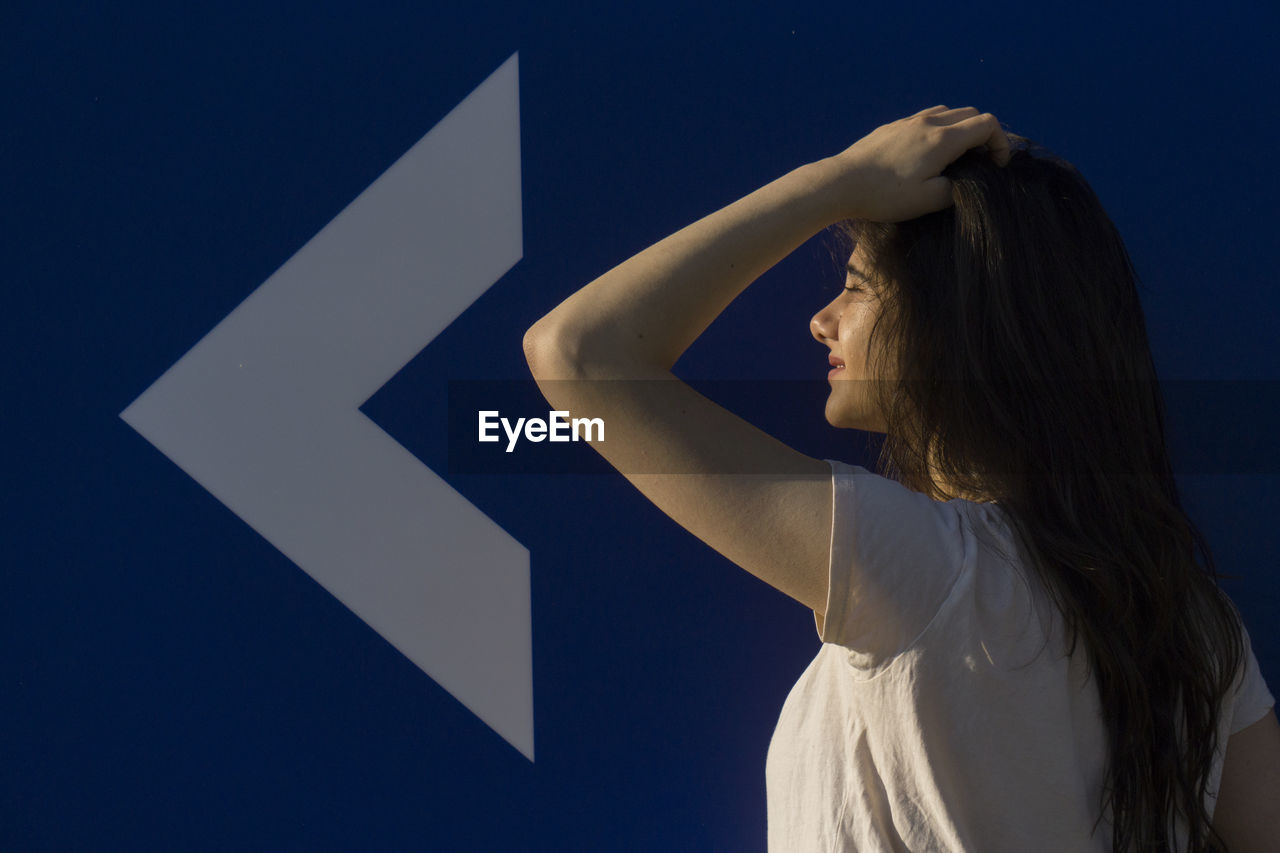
(895, 556)
(1252, 699)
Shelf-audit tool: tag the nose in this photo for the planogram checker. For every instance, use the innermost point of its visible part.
(825, 324)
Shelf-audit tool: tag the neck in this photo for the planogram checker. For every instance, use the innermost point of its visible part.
(947, 490)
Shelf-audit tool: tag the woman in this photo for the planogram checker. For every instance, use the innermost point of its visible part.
(1020, 651)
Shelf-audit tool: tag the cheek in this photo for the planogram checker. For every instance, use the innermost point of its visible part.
(853, 340)
(856, 333)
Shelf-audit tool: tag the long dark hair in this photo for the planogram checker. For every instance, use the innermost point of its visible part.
(1024, 375)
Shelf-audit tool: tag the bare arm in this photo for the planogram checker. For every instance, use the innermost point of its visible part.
(635, 321)
(648, 310)
(1247, 815)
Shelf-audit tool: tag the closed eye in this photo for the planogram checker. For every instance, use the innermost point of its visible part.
(852, 279)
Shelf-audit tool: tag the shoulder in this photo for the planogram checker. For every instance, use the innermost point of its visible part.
(896, 555)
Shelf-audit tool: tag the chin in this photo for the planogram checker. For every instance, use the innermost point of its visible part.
(841, 419)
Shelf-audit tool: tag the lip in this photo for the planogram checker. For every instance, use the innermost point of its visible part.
(837, 365)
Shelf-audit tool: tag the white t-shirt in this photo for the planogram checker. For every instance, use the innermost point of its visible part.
(935, 717)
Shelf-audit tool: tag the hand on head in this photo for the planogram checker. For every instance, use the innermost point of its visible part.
(895, 172)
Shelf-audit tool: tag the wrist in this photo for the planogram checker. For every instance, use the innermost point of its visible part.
(837, 187)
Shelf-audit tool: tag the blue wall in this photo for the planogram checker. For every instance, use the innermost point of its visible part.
(173, 681)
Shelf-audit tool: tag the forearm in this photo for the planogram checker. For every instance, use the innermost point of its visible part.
(649, 309)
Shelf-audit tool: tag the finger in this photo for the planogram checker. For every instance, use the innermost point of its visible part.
(938, 190)
(930, 110)
(984, 130)
(953, 116)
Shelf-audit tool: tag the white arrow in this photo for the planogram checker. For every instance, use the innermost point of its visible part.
(263, 411)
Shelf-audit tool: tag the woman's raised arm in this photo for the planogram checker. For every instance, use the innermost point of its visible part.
(606, 352)
(649, 309)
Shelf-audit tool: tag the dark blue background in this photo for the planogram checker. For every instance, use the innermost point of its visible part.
(171, 681)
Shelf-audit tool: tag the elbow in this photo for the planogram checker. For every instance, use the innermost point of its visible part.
(551, 359)
(531, 345)
(548, 352)
(556, 351)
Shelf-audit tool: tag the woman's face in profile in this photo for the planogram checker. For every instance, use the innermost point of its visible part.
(844, 326)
